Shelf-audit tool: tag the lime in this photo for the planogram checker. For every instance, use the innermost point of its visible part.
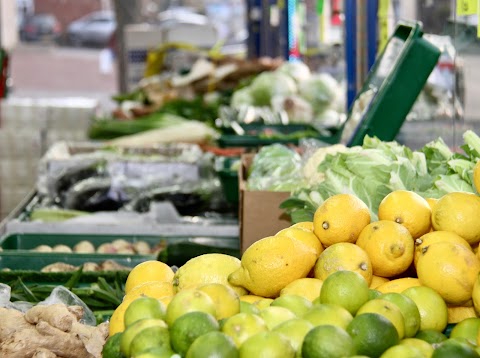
(267, 344)
(295, 331)
(144, 307)
(242, 326)
(299, 305)
(262, 303)
(372, 334)
(189, 301)
(388, 310)
(248, 307)
(409, 309)
(345, 288)
(111, 348)
(452, 348)
(224, 297)
(148, 338)
(433, 309)
(372, 294)
(431, 336)
(157, 352)
(402, 351)
(327, 341)
(334, 315)
(274, 315)
(213, 344)
(468, 329)
(188, 327)
(135, 328)
(423, 346)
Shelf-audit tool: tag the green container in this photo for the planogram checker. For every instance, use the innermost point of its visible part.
(229, 179)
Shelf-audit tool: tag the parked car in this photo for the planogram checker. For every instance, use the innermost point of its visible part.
(40, 27)
(95, 29)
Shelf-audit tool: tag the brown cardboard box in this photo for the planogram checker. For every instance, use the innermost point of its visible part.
(260, 215)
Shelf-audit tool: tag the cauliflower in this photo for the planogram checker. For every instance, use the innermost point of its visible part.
(310, 169)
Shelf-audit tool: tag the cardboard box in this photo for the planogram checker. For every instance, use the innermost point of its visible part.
(260, 215)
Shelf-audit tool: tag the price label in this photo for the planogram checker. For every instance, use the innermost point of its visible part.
(467, 7)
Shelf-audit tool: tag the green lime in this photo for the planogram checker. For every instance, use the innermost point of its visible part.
(372, 334)
(111, 348)
(433, 309)
(423, 346)
(410, 312)
(148, 338)
(248, 307)
(431, 336)
(295, 303)
(402, 351)
(388, 310)
(143, 307)
(157, 352)
(345, 288)
(189, 301)
(295, 331)
(327, 341)
(267, 344)
(213, 344)
(468, 329)
(188, 327)
(274, 315)
(372, 294)
(135, 328)
(322, 314)
(453, 348)
(242, 326)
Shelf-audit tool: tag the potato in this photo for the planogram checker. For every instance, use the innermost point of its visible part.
(43, 248)
(84, 247)
(61, 248)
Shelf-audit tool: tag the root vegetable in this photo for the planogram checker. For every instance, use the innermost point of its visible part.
(110, 265)
(12, 321)
(58, 267)
(107, 248)
(44, 353)
(84, 247)
(61, 248)
(91, 266)
(43, 248)
(56, 315)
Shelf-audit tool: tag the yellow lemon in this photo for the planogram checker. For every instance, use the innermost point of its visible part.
(476, 176)
(153, 289)
(305, 225)
(389, 246)
(224, 297)
(306, 287)
(269, 264)
(398, 285)
(437, 236)
(459, 313)
(458, 212)
(117, 324)
(340, 218)
(343, 256)
(304, 236)
(476, 295)
(433, 309)
(250, 298)
(166, 299)
(431, 202)
(377, 281)
(408, 209)
(263, 303)
(450, 269)
(146, 271)
(207, 268)
(387, 309)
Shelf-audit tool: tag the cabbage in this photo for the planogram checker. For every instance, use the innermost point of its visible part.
(269, 84)
(321, 90)
(296, 70)
(241, 98)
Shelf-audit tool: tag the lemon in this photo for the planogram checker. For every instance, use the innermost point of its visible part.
(459, 313)
(189, 301)
(307, 237)
(437, 236)
(153, 289)
(340, 218)
(399, 285)
(402, 351)
(305, 225)
(242, 326)
(450, 269)
(476, 176)
(377, 281)
(306, 287)
(207, 268)
(328, 314)
(468, 328)
(117, 322)
(166, 299)
(406, 208)
(224, 297)
(343, 256)
(421, 345)
(458, 212)
(146, 271)
(387, 309)
(432, 307)
(389, 246)
(251, 298)
(271, 263)
(266, 344)
(345, 288)
(409, 310)
(327, 341)
(295, 331)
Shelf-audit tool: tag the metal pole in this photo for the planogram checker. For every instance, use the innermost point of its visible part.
(351, 49)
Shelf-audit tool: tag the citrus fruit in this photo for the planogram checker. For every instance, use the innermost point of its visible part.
(189, 301)
(476, 295)
(308, 238)
(343, 256)
(155, 289)
(372, 334)
(459, 313)
(117, 320)
(377, 281)
(398, 285)
(468, 328)
(299, 305)
(271, 263)
(305, 225)
(450, 269)
(372, 294)
(166, 299)
(345, 288)
(453, 348)
(156, 336)
(340, 218)
(437, 236)
(130, 332)
(224, 297)
(111, 348)
(143, 307)
(146, 271)
(274, 315)
(267, 344)
(423, 346)
(250, 298)
(327, 341)
(432, 307)
(295, 331)
(213, 344)
(406, 208)
(188, 327)
(388, 310)
(389, 246)
(242, 326)
(248, 308)
(458, 212)
(307, 287)
(328, 314)
(157, 352)
(207, 268)
(263, 303)
(409, 310)
(431, 336)
(402, 351)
